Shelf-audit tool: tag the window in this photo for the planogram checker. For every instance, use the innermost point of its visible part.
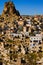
(33, 44)
(23, 60)
(39, 42)
(35, 41)
(1, 63)
(34, 38)
(7, 15)
(30, 41)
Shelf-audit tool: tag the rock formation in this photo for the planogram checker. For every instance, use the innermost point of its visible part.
(9, 8)
(10, 13)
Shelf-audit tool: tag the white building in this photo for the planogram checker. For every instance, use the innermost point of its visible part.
(35, 39)
(16, 35)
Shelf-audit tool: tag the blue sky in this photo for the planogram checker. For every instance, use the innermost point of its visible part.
(26, 7)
